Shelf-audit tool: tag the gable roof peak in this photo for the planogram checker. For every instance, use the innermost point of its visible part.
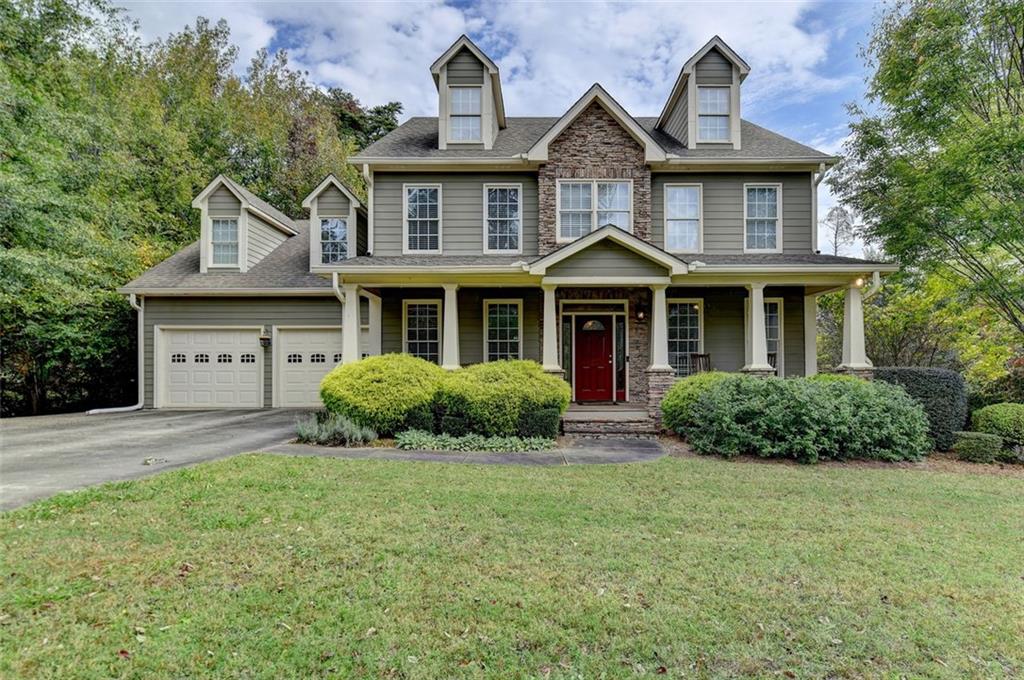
(331, 179)
(463, 41)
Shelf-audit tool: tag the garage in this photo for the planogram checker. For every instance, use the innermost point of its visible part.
(211, 368)
(304, 356)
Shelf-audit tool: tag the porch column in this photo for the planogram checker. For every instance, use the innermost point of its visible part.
(810, 334)
(350, 324)
(450, 335)
(854, 356)
(550, 330)
(758, 337)
(375, 325)
(659, 330)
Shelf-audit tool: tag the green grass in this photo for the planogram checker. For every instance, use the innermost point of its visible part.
(262, 566)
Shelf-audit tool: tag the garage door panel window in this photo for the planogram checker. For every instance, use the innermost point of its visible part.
(294, 358)
(317, 358)
(178, 358)
(224, 358)
(201, 359)
(247, 359)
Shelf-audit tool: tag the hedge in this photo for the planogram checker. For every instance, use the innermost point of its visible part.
(677, 404)
(387, 393)
(1004, 420)
(428, 441)
(501, 398)
(978, 447)
(808, 420)
(942, 393)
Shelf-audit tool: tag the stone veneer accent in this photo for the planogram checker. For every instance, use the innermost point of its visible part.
(594, 146)
(658, 383)
(865, 373)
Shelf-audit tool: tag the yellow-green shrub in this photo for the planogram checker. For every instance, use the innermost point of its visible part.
(677, 404)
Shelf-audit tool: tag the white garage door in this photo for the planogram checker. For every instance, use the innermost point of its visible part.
(304, 357)
(212, 368)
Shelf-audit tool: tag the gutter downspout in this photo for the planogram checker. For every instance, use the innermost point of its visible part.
(816, 180)
(337, 289)
(368, 177)
(876, 285)
(139, 307)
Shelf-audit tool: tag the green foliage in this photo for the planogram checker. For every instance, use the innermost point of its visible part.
(104, 142)
(491, 398)
(542, 422)
(808, 420)
(428, 441)
(1006, 388)
(332, 429)
(361, 124)
(978, 447)
(942, 393)
(1005, 420)
(677, 404)
(386, 393)
(835, 378)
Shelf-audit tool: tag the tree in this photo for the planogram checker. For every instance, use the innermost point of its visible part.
(936, 171)
(364, 125)
(839, 227)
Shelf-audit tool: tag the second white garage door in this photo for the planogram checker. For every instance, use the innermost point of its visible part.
(304, 357)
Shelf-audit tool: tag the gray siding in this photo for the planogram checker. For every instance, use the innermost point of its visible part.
(470, 318)
(714, 69)
(465, 69)
(607, 259)
(677, 122)
(332, 203)
(263, 238)
(723, 209)
(223, 203)
(326, 311)
(462, 210)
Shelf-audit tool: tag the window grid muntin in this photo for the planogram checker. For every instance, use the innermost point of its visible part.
(317, 358)
(504, 330)
(224, 358)
(773, 325)
(201, 358)
(247, 359)
(503, 217)
(422, 330)
(224, 241)
(423, 218)
(762, 217)
(464, 114)
(333, 239)
(684, 335)
(178, 358)
(713, 114)
(586, 205)
(294, 359)
(683, 217)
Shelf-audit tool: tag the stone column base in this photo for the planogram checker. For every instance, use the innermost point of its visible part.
(865, 372)
(759, 372)
(559, 372)
(659, 380)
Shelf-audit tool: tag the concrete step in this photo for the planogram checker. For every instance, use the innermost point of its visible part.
(644, 427)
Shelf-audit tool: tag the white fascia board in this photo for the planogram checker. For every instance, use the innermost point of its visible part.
(700, 267)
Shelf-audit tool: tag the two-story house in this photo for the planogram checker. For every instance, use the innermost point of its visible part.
(620, 252)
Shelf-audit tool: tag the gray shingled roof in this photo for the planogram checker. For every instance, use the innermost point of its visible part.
(417, 138)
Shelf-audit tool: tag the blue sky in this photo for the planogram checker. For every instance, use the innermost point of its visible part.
(803, 54)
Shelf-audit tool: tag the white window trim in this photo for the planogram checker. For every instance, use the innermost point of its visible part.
(511, 301)
(727, 140)
(700, 217)
(700, 318)
(778, 227)
(593, 203)
(243, 242)
(450, 115)
(780, 359)
(440, 324)
(405, 219)
(503, 185)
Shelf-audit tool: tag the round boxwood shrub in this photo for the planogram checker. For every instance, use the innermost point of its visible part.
(808, 420)
(942, 393)
(1004, 420)
(677, 404)
(491, 398)
(978, 447)
(387, 393)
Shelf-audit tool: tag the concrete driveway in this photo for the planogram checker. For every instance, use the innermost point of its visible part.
(44, 455)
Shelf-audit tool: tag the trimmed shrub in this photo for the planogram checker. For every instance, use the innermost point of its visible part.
(387, 393)
(808, 420)
(835, 377)
(677, 404)
(427, 441)
(978, 447)
(332, 429)
(540, 423)
(1004, 420)
(942, 393)
(491, 398)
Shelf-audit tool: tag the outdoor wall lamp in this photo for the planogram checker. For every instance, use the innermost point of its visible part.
(265, 337)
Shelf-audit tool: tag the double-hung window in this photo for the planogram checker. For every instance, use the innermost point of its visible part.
(333, 240)
(502, 218)
(422, 219)
(422, 331)
(685, 334)
(683, 218)
(503, 329)
(224, 237)
(584, 206)
(713, 124)
(464, 114)
(762, 206)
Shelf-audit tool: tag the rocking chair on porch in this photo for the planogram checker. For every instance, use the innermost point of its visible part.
(700, 363)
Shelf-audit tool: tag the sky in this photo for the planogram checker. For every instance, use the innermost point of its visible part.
(803, 54)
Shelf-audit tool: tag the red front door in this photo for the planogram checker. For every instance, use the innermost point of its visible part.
(593, 369)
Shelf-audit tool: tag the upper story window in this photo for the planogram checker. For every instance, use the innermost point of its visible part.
(713, 114)
(464, 112)
(503, 222)
(422, 225)
(762, 208)
(224, 236)
(333, 240)
(588, 205)
(683, 218)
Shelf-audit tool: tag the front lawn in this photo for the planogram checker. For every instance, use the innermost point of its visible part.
(267, 566)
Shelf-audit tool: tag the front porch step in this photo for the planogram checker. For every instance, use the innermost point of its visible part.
(612, 420)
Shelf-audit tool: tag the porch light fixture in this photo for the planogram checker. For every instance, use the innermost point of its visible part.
(265, 337)
(859, 283)
(640, 315)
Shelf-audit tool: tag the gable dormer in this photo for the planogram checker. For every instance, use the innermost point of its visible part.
(703, 110)
(237, 228)
(471, 109)
(337, 224)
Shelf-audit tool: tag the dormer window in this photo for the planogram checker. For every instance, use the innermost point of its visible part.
(464, 119)
(225, 242)
(333, 240)
(713, 114)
